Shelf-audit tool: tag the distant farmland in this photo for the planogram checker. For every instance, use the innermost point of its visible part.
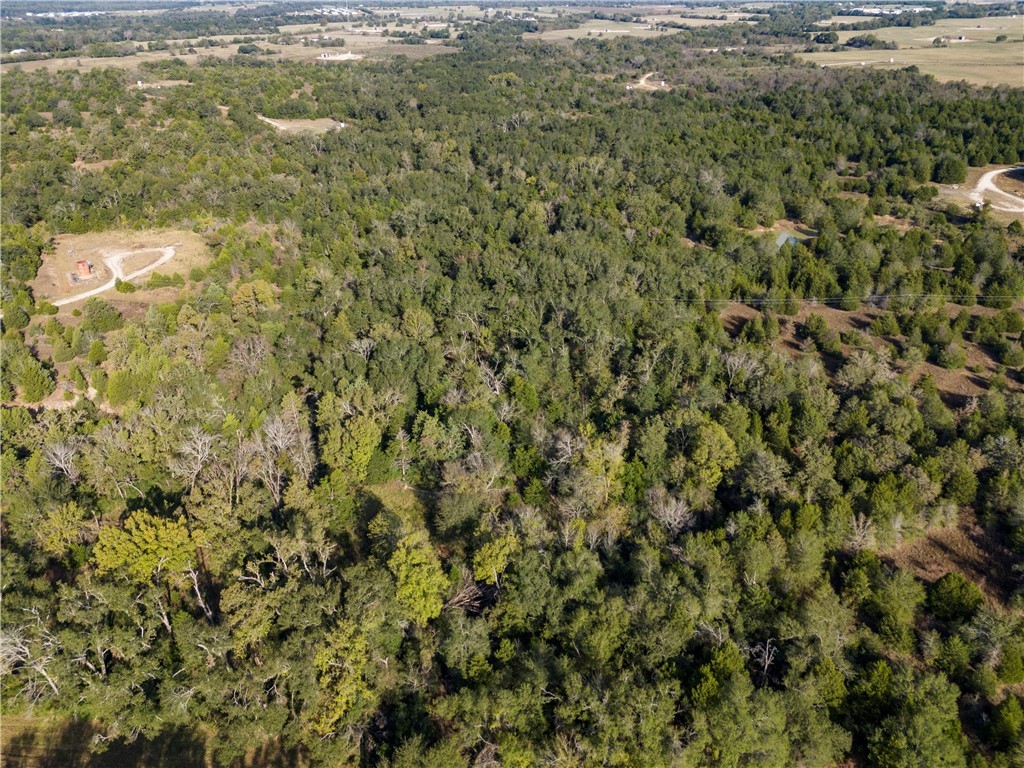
(976, 58)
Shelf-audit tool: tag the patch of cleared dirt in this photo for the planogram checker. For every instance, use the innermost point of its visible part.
(802, 231)
(652, 81)
(975, 188)
(900, 225)
(320, 125)
(97, 165)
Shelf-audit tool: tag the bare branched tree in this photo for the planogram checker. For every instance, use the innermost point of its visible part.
(193, 455)
(669, 510)
(61, 456)
(736, 363)
(862, 532)
(248, 354)
(364, 347)
(403, 458)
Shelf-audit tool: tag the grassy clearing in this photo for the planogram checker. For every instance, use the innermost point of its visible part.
(966, 549)
(28, 741)
(598, 28)
(400, 500)
(984, 30)
(53, 282)
(319, 125)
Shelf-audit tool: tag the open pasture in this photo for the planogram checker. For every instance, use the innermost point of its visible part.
(369, 46)
(362, 42)
(598, 28)
(984, 30)
(972, 53)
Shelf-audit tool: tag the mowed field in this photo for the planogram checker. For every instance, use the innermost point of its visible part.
(977, 58)
(599, 28)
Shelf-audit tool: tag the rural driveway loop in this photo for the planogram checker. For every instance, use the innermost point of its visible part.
(114, 263)
(1007, 203)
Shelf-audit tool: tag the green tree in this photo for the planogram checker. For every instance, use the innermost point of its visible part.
(60, 529)
(421, 580)
(146, 548)
(1007, 722)
(493, 558)
(346, 698)
(954, 599)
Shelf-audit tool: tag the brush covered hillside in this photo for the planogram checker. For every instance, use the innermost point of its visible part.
(523, 418)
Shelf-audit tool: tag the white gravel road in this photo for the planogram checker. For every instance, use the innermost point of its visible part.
(1003, 201)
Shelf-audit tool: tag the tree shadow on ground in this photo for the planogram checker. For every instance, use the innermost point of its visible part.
(70, 745)
(39, 742)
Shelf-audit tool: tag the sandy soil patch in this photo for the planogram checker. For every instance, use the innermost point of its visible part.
(58, 278)
(320, 125)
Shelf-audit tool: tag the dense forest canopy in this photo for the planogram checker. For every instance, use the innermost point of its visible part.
(498, 428)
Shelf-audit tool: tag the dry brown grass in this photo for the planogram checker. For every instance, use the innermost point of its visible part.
(966, 549)
(1012, 182)
(364, 43)
(598, 28)
(52, 281)
(956, 386)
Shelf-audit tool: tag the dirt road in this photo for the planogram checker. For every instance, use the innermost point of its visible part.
(114, 263)
(1006, 202)
(645, 84)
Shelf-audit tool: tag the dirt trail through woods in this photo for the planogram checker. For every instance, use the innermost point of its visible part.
(1006, 202)
(114, 262)
(645, 84)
